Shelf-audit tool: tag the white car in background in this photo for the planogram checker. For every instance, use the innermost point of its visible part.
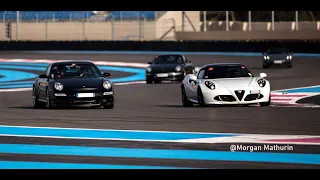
(225, 84)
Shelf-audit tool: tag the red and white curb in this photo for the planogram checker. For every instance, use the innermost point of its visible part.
(105, 63)
(290, 99)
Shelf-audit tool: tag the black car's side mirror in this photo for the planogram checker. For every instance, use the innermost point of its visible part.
(43, 76)
(105, 74)
(149, 62)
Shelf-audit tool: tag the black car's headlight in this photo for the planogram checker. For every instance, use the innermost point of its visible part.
(210, 85)
(289, 57)
(178, 68)
(266, 57)
(262, 82)
(58, 86)
(148, 69)
(107, 84)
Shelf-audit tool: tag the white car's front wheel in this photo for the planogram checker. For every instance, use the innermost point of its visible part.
(185, 100)
(200, 98)
(264, 104)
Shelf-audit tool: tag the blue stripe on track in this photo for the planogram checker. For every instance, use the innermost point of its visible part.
(16, 83)
(53, 165)
(160, 153)
(15, 75)
(16, 86)
(22, 67)
(25, 64)
(104, 134)
(254, 54)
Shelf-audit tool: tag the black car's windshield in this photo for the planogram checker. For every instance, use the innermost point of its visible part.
(168, 59)
(217, 72)
(277, 51)
(75, 71)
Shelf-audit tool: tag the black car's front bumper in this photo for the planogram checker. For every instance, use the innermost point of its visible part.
(277, 62)
(170, 76)
(71, 98)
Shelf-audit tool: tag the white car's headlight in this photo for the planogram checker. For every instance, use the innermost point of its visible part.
(261, 82)
(149, 69)
(178, 68)
(107, 84)
(210, 85)
(289, 57)
(58, 86)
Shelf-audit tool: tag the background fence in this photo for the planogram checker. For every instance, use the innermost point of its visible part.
(143, 25)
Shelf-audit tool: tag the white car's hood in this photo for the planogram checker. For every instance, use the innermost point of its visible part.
(237, 82)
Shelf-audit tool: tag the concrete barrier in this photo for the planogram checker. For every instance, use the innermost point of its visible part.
(246, 35)
(191, 46)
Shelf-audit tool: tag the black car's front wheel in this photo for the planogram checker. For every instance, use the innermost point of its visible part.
(36, 104)
(201, 98)
(49, 104)
(109, 106)
(149, 81)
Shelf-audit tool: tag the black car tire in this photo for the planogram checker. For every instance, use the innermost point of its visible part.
(265, 66)
(289, 66)
(149, 81)
(265, 104)
(200, 98)
(36, 104)
(49, 104)
(157, 81)
(185, 101)
(111, 106)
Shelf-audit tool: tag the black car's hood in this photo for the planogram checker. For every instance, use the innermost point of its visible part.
(80, 82)
(165, 67)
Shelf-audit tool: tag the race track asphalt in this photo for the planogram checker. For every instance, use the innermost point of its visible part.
(158, 107)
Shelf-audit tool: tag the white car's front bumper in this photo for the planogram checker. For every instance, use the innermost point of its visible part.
(229, 96)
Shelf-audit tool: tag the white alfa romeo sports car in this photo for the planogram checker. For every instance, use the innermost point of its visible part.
(225, 84)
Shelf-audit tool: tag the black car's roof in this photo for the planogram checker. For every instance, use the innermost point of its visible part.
(71, 62)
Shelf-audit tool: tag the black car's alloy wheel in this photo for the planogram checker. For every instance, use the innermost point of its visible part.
(48, 100)
(111, 106)
(35, 102)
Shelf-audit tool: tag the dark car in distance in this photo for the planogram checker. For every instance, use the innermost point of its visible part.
(168, 67)
(73, 83)
(277, 57)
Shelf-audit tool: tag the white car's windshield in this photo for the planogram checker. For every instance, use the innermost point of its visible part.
(217, 72)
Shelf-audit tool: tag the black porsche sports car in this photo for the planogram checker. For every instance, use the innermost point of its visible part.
(73, 83)
(168, 67)
(277, 57)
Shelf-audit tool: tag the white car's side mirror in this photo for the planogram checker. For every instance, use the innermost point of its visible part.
(263, 75)
(192, 78)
